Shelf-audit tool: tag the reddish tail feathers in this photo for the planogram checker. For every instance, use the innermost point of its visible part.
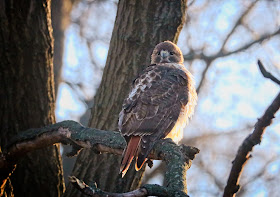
(129, 153)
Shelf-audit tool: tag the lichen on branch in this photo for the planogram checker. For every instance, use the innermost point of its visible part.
(177, 158)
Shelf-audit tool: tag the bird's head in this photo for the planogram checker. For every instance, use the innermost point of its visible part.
(167, 52)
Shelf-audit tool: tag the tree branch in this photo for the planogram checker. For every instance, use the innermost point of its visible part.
(222, 53)
(146, 190)
(193, 55)
(177, 158)
(267, 74)
(203, 76)
(244, 150)
(238, 22)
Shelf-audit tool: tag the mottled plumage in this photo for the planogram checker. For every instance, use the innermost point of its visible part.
(159, 104)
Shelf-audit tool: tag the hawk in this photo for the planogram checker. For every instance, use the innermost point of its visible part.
(158, 106)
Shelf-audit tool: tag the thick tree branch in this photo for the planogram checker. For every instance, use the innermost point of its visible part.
(244, 150)
(177, 158)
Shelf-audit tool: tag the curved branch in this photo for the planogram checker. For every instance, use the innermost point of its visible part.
(267, 74)
(177, 158)
(155, 190)
(145, 190)
(244, 150)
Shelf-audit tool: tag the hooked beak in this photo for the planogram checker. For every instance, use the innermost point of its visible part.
(164, 54)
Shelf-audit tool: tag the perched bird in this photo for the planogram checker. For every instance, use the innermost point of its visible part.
(158, 106)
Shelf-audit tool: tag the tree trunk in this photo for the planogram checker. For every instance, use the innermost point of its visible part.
(27, 92)
(60, 14)
(139, 26)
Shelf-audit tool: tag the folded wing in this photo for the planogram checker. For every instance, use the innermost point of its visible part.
(151, 110)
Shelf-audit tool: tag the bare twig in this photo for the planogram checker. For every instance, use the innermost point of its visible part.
(203, 77)
(222, 53)
(238, 22)
(192, 54)
(206, 169)
(213, 135)
(257, 176)
(244, 150)
(267, 74)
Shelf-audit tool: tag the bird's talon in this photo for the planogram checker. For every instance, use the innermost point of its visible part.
(150, 163)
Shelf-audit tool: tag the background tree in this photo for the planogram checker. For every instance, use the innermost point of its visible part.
(60, 15)
(27, 93)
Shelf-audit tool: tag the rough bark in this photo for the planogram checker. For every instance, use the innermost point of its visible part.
(177, 158)
(27, 92)
(139, 26)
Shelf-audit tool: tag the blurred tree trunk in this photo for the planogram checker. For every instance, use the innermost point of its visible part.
(139, 26)
(60, 14)
(27, 92)
(57, 15)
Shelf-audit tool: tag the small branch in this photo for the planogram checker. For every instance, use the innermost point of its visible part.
(145, 190)
(193, 55)
(177, 158)
(209, 135)
(267, 74)
(213, 176)
(95, 192)
(203, 77)
(238, 22)
(259, 175)
(246, 147)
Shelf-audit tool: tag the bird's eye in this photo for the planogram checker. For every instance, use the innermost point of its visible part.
(171, 53)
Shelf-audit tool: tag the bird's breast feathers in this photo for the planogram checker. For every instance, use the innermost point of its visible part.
(176, 134)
